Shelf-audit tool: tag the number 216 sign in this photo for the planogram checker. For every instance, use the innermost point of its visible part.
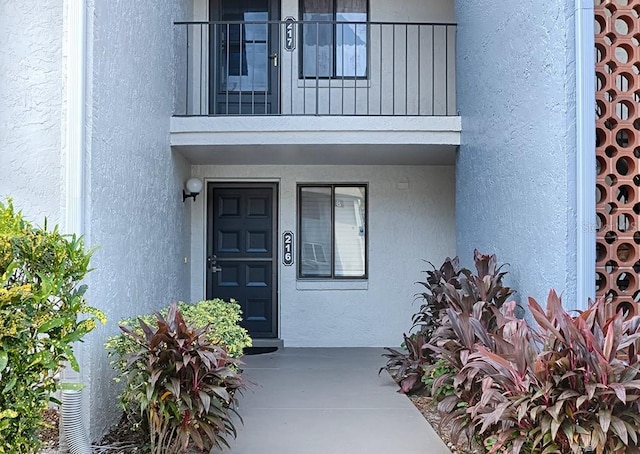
(287, 248)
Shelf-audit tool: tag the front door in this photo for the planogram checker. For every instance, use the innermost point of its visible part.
(241, 251)
(244, 57)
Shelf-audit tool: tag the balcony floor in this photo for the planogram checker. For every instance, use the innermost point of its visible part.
(350, 140)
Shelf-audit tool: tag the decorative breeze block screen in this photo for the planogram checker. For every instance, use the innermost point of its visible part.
(617, 27)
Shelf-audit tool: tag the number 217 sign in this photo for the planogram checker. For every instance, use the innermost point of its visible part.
(289, 34)
(287, 248)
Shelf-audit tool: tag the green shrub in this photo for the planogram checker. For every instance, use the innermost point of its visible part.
(432, 374)
(183, 386)
(40, 304)
(222, 317)
(224, 320)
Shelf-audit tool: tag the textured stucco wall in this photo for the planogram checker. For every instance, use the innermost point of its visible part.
(405, 227)
(31, 106)
(138, 219)
(515, 168)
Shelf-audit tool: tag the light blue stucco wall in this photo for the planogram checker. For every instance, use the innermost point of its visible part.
(31, 106)
(515, 174)
(137, 216)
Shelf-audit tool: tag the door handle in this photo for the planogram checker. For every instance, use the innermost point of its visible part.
(274, 57)
(212, 260)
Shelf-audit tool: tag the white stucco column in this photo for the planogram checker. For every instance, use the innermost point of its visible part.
(585, 153)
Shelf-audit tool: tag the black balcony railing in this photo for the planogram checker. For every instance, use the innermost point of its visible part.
(315, 68)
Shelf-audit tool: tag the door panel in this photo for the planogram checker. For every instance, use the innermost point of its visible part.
(242, 57)
(241, 250)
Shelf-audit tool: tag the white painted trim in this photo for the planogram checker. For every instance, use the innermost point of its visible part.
(74, 134)
(270, 130)
(585, 153)
(361, 284)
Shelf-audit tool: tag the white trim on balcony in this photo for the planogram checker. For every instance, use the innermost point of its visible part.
(347, 140)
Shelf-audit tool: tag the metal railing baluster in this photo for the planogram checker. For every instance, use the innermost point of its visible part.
(433, 71)
(186, 108)
(291, 79)
(446, 71)
(380, 66)
(355, 71)
(214, 54)
(342, 69)
(393, 70)
(368, 57)
(406, 70)
(304, 75)
(419, 67)
(317, 64)
(226, 79)
(240, 66)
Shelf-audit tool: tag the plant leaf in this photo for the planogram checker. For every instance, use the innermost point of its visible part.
(604, 418)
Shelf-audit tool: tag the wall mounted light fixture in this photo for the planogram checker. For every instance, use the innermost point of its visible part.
(192, 188)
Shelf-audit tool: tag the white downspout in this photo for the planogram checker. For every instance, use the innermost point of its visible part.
(585, 152)
(73, 431)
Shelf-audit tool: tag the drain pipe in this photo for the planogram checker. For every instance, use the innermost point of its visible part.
(585, 152)
(71, 421)
(72, 431)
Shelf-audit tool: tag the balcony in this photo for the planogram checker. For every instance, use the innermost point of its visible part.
(293, 85)
(315, 68)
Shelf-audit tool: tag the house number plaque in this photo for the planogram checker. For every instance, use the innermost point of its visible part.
(289, 34)
(287, 248)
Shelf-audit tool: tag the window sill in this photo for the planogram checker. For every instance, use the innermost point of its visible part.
(337, 82)
(360, 284)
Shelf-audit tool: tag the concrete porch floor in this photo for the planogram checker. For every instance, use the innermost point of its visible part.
(328, 401)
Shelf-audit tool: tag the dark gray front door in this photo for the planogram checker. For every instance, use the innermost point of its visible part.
(241, 250)
(244, 57)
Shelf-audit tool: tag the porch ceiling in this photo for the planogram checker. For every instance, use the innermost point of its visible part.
(316, 140)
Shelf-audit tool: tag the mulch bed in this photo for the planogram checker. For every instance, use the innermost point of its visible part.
(120, 440)
(426, 406)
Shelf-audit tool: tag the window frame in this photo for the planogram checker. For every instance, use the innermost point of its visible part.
(334, 76)
(299, 243)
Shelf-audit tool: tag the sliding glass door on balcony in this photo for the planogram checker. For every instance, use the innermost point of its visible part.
(243, 57)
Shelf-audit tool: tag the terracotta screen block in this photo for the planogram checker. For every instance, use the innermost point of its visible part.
(617, 24)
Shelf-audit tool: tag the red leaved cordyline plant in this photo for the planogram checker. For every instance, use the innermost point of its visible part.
(571, 385)
(184, 386)
(471, 317)
(434, 299)
(408, 368)
(449, 290)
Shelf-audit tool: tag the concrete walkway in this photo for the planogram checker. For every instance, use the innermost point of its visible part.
(328, 401)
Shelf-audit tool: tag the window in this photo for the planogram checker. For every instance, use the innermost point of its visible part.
(334, 38)
(332, 224)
